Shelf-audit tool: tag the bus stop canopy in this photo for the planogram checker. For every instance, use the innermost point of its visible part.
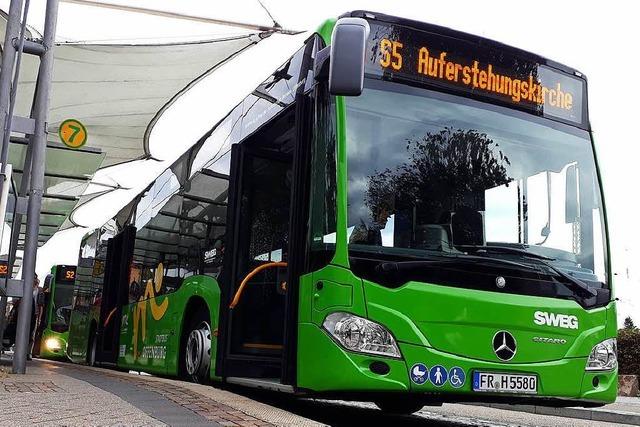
(118, 92)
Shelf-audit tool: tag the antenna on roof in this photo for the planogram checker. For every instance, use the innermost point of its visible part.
(175, 15)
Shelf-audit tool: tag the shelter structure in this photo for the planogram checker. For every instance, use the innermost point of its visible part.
(118, 92)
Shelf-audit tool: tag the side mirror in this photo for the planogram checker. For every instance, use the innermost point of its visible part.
(346, 66)
(571, 208)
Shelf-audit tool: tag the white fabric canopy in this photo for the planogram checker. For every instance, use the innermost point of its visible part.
(188, 119)
(119, 92)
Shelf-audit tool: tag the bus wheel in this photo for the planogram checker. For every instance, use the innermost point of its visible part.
(404, 405)
(91, 351)
(197, 350)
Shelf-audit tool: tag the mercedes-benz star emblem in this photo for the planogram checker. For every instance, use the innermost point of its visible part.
(504, 345)
(501, 282)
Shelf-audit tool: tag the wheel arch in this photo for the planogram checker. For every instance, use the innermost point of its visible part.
(194, 305)
(197, 293)
(200, 291)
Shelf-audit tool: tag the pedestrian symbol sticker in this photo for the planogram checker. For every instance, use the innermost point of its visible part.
(457, 377)
(72, 133)
(438, 375)
(419, 373)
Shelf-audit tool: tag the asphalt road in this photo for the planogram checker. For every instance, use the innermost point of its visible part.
(341, 413)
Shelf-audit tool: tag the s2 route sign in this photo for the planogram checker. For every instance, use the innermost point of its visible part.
(72, 133)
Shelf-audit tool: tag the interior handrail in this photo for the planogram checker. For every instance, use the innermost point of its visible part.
(243, 284)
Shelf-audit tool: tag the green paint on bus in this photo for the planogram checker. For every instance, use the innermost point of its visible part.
(441, 237)
(53, 332)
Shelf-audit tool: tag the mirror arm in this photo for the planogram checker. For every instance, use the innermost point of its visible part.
(321, 65)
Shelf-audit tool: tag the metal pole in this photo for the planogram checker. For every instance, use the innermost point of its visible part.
(8, 60)
(15, 228)
(39, 141)
(14, 89)
(6, 75)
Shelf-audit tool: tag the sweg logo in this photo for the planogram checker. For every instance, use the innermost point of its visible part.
(210, 254)
(558, 320)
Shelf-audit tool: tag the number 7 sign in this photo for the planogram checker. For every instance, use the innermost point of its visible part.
(72, 133)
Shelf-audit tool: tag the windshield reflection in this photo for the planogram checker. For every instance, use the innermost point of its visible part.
(438, 173)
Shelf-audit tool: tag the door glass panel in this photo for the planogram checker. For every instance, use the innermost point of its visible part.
(264, 239)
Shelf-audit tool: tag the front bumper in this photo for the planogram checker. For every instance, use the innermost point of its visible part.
(564, 379)
(326, 369)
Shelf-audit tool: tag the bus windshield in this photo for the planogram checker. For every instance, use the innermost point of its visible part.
(432, 174)
(61, 308)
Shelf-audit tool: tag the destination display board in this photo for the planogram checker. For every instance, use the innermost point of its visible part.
(4, 269)
(396, 52)
(65, 273)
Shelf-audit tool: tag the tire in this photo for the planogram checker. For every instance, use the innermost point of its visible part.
(196, 351)
(91, 349)
(400, 405)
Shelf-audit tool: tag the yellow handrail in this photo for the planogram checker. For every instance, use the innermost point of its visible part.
(258, 269)
(108, 319)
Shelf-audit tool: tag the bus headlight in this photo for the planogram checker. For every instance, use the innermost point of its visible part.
(53, 344)
(355, 333)
(604, 356)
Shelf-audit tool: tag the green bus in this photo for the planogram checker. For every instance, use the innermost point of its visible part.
(52, 334)
(400, 213)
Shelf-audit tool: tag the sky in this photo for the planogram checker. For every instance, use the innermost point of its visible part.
(596, 38)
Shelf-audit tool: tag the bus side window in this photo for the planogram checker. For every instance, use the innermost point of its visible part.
(323, 180)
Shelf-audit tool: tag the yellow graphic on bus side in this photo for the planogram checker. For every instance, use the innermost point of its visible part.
(140, 310)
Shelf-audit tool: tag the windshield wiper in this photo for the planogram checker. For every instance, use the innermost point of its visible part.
(393, 266)
(503, 250)
(575, 284)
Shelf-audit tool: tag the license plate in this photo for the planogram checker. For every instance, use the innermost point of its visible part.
(505, 383)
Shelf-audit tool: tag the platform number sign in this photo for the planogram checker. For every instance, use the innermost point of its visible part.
(72, 133)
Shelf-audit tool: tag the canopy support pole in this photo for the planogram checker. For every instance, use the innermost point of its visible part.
(39, 145)
(6, 77)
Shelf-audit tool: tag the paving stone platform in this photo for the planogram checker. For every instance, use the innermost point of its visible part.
(62, 394)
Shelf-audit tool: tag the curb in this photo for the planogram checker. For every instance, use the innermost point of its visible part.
(593, 414)
(263, 412)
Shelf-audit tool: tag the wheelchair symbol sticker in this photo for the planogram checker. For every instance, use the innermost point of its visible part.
(457, 377)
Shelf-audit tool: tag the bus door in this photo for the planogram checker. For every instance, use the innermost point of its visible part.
(254, 298)
(114, 294)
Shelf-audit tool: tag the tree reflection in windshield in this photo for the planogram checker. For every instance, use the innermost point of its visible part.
(436, 172)
(445, 174)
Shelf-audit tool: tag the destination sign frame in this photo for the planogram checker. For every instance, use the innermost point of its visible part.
(478, 68)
